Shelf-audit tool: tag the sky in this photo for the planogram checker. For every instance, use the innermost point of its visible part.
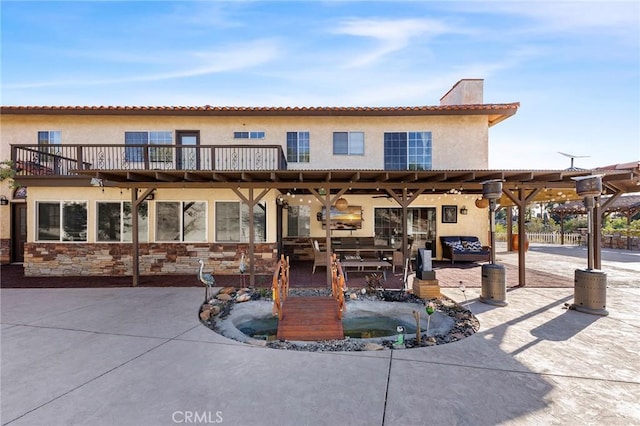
(573, 66)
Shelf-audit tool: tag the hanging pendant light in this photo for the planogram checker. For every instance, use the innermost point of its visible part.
(482, 203)
(341, 204)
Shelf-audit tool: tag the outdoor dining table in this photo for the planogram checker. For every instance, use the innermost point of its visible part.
(365, 266)
(374, 251)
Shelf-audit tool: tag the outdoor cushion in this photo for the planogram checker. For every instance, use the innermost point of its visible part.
(456, 246)
(472, 245)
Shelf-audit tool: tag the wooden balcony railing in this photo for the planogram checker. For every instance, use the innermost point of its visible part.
(64, 160)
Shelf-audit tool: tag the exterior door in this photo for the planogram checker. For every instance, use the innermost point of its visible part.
(18, 231)
(188, 158)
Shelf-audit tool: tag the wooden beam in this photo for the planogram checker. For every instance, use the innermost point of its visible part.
(219, 177)
(466, 177)
(521, 177)
(166, 177)
(193, 177)
(135, 249)
(137, 177)
(251, 201)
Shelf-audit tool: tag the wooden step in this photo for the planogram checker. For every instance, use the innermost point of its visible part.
(310, 318)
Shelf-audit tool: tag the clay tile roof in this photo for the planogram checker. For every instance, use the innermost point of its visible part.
(509, 109)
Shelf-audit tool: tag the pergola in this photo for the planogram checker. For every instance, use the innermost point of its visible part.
(628, 205)
(520, 187)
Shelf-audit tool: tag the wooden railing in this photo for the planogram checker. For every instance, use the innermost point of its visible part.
(63, 160)
(337, 284)
(280, 286)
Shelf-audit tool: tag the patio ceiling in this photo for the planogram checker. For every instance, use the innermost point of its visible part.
(552, 185)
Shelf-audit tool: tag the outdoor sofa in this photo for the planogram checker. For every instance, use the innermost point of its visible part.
(464, 248)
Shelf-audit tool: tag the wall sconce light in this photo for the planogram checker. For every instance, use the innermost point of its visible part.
(282, 202)
(151, 196)
(3, 200)
(341, 204)
(463, 210)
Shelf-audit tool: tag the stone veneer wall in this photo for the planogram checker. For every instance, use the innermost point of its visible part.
(57, 259)
(5, 250)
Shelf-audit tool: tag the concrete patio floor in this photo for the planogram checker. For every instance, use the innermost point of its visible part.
(139, 356)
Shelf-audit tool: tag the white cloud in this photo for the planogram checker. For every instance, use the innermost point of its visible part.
(611, 17)
(391, 35)
(232, 58)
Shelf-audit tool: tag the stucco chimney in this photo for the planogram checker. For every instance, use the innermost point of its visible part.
(467, 91)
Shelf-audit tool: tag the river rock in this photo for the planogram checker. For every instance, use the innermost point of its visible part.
(373, 347)
(227, 290)
(243, 298)
(224, 297)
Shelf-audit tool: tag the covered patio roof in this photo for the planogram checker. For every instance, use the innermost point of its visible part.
(552, 185)
(520, 187)
(628, 204)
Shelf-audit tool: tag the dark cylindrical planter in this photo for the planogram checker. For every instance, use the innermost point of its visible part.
(590, 291)
(494, 286)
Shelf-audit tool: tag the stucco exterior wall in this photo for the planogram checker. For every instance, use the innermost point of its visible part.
(464, 92)
(451, 135)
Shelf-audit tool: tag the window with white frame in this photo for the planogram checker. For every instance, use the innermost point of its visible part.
(49, 137)
(298, 147)
(181, 221)
(248, 135)
(348, 143)
(136, 154)
(299, 221)
(232, 222)
(61, 220)
(407, 151)
(49, 155)
(114, 222)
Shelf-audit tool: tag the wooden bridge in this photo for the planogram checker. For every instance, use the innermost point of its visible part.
(310, 318)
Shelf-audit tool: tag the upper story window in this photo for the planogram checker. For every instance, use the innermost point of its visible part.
(148, 138)
(298, 147)
(348, 143)
(48, 157)
(407, 151)
(248, 135)
(49, 137)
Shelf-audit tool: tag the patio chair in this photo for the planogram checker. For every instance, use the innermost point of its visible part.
(319, 257)
(397, 260)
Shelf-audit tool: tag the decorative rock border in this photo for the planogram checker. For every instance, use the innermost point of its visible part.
(465, 323)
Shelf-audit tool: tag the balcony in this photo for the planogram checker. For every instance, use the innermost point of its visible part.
(65, 160)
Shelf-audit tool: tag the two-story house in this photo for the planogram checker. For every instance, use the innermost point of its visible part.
(100, 186)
